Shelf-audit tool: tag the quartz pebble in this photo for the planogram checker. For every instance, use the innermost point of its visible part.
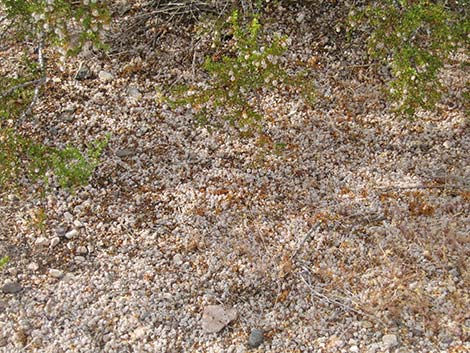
(56, 273)
(33, 266)
(55, 241)
(105, 76)
(71, 234)
(216, 317)
(41, 242)
(389, 341)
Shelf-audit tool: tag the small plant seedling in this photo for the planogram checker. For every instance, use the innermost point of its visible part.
(3, 261)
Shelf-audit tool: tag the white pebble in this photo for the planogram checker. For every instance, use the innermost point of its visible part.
(55, 273)
(55, 241)
(71, 234)
(33, 266)
(389, 341)
(41, 242)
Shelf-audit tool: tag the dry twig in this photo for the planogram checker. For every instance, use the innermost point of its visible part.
(39, 84)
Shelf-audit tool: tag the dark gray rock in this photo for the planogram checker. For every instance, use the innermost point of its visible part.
(256, 338)
(84, 73)
(12, 288)
(3, 306)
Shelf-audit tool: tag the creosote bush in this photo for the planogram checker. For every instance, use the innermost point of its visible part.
(413, 38)
(236, 78)
(64, 26)
(22, 157)
(68, 25)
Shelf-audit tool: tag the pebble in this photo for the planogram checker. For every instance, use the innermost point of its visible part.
(56, 273)
(60, 231)
(41, 242)
(126, 152)
(68, 217)
(389, 341)
(71, 234)
(82, 250)
(3, 306)
(84, 73)
(178, 259)
(12, 288)
(55, 241)
(216, 317)
(105, 76)
(354, 349)
(33, 266)
(77, 223)
(79, 259)
(134, 93)
(256, 338)
(373, 348)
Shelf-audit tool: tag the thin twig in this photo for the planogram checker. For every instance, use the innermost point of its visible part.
(39, 84)
(304, 240)
(452, 187)
(14, 88)
(338, 303)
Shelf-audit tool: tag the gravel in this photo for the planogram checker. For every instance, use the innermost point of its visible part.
(342, 228)
(256, 338)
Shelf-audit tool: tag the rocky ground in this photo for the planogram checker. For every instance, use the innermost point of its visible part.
(341, 228)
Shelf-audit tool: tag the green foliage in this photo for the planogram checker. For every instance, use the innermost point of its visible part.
(3, 261)
(414, 38)
(54, 21)
(23, 157)
(237, 77)
(65, 26)
(73, 167)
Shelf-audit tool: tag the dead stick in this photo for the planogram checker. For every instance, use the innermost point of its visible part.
(38, 85)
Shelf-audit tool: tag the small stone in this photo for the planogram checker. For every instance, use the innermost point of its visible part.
(373, 348)
(256, 338)
(134, 93)
(79, 259)
(216, 317)
(60, 231)
(139, 332)
(56, 273)
(105, 76)
(12, 288)
(55, 241)
(33, 266)
(126, 152)
(84, 73)
(178, 259)
(71, 234)
(77, 224)
(447, 144)
(82, 250)
(41, 242)
(367, 324)
(3, 306)
(68, 216)
(354, 349)
(389, 341)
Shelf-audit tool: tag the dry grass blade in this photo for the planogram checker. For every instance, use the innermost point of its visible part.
(336, 300)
